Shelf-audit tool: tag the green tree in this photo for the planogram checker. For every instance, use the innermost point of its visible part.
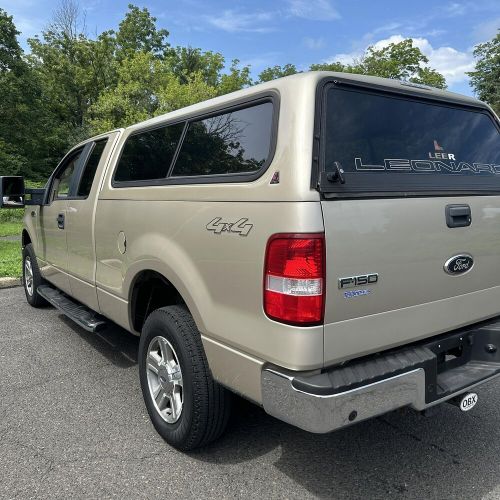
(147, 87)
(335, 66)
(10, 50)
(274, 72)
(71, 71)
(236, 79)
(485, 79)
(400, 61)
(132, 98)
(172, 94)
(20, 110)
(12, 68)
(186, 61)
(138, 33)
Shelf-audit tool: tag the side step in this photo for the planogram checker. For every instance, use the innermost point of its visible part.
(80, 314)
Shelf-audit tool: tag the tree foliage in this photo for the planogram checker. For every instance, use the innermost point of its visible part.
(485, 79)
(138, 33)
(400, 61)
(277, 72)
(20, 105)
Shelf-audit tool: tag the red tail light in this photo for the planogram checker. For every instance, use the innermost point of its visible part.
(294, 278)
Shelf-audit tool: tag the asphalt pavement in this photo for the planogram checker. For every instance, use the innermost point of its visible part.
(73, 425)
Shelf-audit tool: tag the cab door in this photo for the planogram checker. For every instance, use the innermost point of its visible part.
(53, 251)
(80, 214)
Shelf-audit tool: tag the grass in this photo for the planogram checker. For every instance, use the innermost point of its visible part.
(10, 228)
(11, 221)
(11, 215)
(10, 251)
(10, 259)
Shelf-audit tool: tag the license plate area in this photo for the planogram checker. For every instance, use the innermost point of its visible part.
(452, 352)
(462, 359)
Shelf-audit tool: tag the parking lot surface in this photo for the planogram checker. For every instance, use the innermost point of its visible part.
(73, 425)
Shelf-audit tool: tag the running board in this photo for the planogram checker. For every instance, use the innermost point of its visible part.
(80, 314)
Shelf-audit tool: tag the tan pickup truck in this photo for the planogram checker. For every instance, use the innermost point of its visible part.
(326, 245)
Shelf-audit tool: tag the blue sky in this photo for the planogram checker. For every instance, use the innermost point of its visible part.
(264, 33)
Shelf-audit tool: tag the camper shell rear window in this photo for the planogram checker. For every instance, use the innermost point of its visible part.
(397, 144)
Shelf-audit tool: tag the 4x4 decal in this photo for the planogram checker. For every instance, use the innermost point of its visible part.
(219, 226)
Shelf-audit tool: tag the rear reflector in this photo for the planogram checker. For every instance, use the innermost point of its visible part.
(294, 278)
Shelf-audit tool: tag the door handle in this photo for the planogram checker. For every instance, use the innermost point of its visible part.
(458, 215)
(60, 221)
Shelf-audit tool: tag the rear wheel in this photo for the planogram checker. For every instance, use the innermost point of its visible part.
(32, 278)
(187, 407)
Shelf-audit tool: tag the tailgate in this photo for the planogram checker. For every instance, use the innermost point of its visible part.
(406, 242)
(413, 235)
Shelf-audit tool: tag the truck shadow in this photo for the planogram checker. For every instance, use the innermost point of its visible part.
(400, 455)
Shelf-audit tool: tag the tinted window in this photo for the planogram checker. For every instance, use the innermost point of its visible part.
(62, 182)
(148, 155)
(230, 143)
(398, 142)
(91, 168)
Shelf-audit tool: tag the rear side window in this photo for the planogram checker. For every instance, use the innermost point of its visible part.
(91, 168)
(148, 155)
(388, 143)
(236, 142)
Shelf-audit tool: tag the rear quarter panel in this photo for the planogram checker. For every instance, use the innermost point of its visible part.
(220, 276)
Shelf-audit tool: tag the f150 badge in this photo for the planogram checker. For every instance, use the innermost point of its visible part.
(218, 226)
(354, 281)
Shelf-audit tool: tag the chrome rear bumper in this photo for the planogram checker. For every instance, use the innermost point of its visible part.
(322, 414)
(417, 376)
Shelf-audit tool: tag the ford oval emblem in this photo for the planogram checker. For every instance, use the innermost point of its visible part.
(460, 264)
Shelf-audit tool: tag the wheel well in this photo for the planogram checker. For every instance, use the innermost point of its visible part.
(151, 291)
(25, 238)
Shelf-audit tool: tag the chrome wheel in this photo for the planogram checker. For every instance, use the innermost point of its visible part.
(28, 275)
(165, 379)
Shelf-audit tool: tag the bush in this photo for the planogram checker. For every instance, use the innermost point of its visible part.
(11, 215)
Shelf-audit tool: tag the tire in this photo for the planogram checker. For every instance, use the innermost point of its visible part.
(170, 337)
(32, 278)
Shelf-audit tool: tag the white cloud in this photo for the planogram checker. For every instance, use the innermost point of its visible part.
(316, 10)
(314, 43)
(457, 8)
(233, 21)
(346, 57)
(387, 27)
(450, 62)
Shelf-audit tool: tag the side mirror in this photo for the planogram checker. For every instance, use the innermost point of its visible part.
(12, 192)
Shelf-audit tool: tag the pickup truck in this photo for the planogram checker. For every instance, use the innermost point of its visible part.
(326, 245)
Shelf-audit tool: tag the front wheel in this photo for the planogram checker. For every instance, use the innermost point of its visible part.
(32, 278)
(187, 407)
